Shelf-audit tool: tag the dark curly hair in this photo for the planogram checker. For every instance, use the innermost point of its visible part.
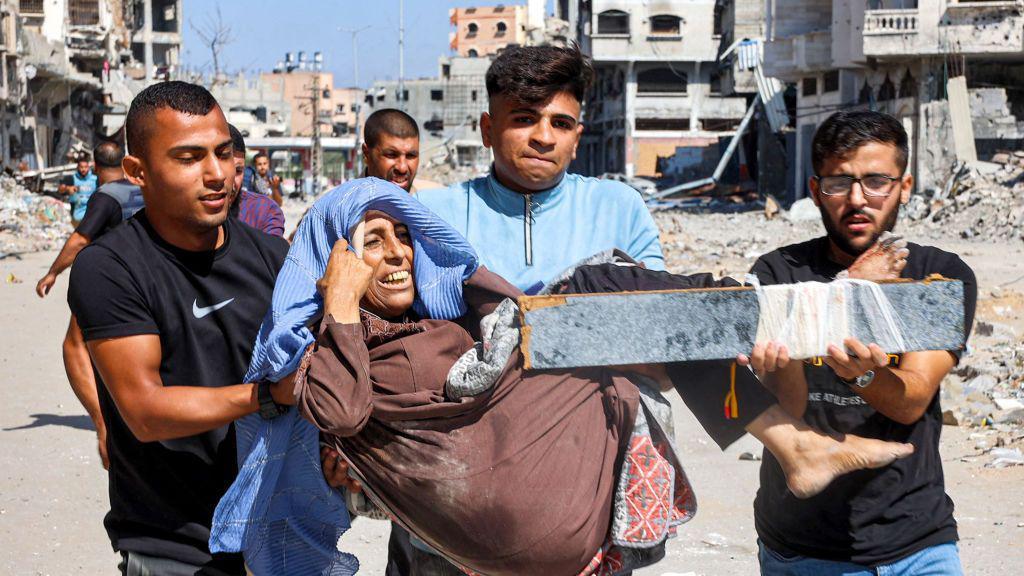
(531, 74)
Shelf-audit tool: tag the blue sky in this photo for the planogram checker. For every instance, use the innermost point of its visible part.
(264, 30)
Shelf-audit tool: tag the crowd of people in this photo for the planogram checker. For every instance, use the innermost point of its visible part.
(180, 274)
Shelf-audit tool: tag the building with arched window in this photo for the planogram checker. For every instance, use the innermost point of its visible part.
(657, 87)
(485, 30)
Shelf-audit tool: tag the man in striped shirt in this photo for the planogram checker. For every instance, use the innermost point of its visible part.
(256, 210)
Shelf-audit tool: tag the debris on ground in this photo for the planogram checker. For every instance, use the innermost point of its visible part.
(30, 222)
(980, 200)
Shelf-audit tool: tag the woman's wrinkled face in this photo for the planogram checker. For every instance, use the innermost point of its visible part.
(387, 248)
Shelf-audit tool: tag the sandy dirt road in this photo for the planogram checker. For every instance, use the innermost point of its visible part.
(53, 492)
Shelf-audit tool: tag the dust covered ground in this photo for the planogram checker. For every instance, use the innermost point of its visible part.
(53, 492)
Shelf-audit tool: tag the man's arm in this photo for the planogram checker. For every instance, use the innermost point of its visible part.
(104, 213)
(904, 393)
(275, 221)
(275, 190)
(130, 368)
(901, 394)
(65, 258)
(67, 186)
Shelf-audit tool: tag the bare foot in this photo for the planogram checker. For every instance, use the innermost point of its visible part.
(883, 261)
(818, 459)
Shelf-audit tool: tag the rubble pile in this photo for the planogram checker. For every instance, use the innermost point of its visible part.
(725, 244)
(987, 388)
(30, 222)
(980, 200)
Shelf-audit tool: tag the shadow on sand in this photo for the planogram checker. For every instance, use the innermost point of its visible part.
(79, 421)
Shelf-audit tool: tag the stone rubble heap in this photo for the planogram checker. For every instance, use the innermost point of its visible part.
(30, 222)
(982, 201)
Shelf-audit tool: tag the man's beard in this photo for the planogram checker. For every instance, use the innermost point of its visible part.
(832, 230)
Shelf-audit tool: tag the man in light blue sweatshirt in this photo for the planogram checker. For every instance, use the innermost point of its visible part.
(528, 219)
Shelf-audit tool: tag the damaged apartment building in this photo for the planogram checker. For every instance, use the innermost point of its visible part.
(657, 109)
(448, 106)
(899, 56)
(71, 67)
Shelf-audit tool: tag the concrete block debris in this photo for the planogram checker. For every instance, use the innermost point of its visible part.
(1006, 457)
(567, 331)
(979, 201)
(30, 222)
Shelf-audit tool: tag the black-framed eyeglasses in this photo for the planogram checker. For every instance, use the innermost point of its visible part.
(874, 185)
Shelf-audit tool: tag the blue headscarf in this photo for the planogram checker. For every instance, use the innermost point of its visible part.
(280, 512)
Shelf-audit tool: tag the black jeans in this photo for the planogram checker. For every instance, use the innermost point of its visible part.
(135, 564)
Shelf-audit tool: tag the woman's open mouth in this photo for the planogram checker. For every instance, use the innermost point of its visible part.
(399, 280)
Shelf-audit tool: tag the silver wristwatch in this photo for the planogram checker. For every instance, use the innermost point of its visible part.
(861, 381)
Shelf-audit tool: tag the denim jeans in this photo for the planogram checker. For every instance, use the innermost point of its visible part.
(938, 560)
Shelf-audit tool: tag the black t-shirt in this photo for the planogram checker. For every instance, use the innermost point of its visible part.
(868, 517)
(113, 203)
(206, 308)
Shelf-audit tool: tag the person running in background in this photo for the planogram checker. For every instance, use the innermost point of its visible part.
(256, 210)
(116, 200)
(78, 187)
(259, 178)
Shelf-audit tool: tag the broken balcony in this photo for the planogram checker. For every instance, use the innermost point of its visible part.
(974, 28)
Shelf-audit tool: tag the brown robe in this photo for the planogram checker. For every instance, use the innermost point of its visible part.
(517, 480)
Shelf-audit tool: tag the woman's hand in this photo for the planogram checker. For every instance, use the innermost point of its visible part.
(336, 471)
(344, 283)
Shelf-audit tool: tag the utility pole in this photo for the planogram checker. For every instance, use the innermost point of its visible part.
(357, 105)
(316, 151)
(401, 55)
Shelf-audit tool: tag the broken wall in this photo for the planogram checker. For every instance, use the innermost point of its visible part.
(935, 154)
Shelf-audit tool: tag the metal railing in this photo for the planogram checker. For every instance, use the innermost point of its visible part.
(878, 22)
(30, 6)
(84, 12)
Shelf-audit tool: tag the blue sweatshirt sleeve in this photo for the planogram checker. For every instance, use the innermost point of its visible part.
(643, 244)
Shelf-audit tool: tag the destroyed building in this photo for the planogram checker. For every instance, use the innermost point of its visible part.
(657, 108)
(899, 56)
(448, 106)
(70, 68)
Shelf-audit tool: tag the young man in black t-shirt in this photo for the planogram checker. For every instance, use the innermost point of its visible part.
(899, 516)
(170, 304)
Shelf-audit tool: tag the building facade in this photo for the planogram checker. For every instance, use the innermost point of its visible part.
(486, 30)
(70, 71)
(337, 105)
(657, 109)
(896, 56)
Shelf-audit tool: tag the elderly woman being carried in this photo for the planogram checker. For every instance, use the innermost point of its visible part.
(418, 383)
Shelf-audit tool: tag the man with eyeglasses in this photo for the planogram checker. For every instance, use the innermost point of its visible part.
(896, 519)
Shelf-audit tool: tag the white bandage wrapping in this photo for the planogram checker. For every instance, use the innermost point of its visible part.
(809, 316)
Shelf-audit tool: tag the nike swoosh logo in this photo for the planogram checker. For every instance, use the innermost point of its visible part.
(204, 312)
